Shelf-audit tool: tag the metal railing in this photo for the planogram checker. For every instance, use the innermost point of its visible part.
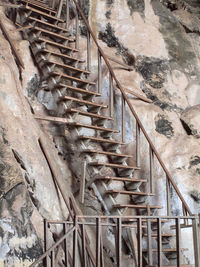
(109, 229)
(79, 20)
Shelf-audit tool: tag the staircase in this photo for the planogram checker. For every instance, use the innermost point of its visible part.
(85, 118)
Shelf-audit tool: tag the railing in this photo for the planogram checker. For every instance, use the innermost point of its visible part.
(109, 230)
(105, 72)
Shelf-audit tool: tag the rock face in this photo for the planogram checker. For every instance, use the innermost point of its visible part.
(160, 40)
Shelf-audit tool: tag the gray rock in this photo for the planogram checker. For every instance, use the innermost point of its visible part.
(191, 120)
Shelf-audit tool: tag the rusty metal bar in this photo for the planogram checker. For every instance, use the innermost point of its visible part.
(102, 254)
(65, 246)
(132, 109)
(99, 73)
(83, 246)
(111, 95)
(12, 45)
(137, 145)
(53, 4)
(139, 241)
(98, 242)
(159, 234)
(168, 197)
(46, 240)
(149, 243)
(77, 31)
(53, 258)
(59, 9)
(82, 183)
(119, 242)
(178, 240)
(151, 163)
(123, 130)
(75, 242)
(88, 51)
(196, 241)
(67, 14)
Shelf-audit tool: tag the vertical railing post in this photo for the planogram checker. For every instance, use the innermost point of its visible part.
(149, 242)
(82, 183)
(139, 241)
(98, 241)
(137, 145)
(75, 241)
(67, 14)
(123, 130)
(178, 242)
(77, 30)
(53, 4)
(83, 246)
(196, 240)
(99, 72)
(168, 197)
(53, 258)
(111, 95)
(151, 163)
(88, 51)
(65, 245)
(46, 240)
(159, 234)
(119, 242)
(59, 9)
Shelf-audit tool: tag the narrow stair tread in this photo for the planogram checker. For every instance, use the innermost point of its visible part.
(162, 234)
(61, 55)
(107, 152)
(135, 206)
(97, 139)
(82, 101)
(53, 33)
(67, 66)
(125, 179)
(126, 192)
(89, 114)
(48, 24)
(113, 165)
(93, 127)
(43, 13)
(72, 78)
(166, 250)
(56, 44)
(39, 5)
(77, 89)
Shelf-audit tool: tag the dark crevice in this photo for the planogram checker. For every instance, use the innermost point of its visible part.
(186, 127)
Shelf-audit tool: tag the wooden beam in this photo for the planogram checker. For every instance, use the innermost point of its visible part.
(14, 50)
(143, 98)
(50, 118)
(125, 66)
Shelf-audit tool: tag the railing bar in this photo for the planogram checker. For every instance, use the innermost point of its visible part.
(67, 14)
(53, 258)
(59, 9)
(178, 240)
(149, 243)
(54, 246)
(137, 145)
(133, 110)
(151, 163)
(65, 246)
(99, 73)
(111, 104)
(102, 254)
(139, 241)
(46, 240)
(123, 118)
(119, 241)
(82, 183)
(77, 31)
(98, 241)
(196, 241)
(168, 197)
(88, 51)
(75, 242)
(53, 4)
(83, 245)
(159, 242)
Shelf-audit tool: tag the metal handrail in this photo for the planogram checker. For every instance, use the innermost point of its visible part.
(168, 175)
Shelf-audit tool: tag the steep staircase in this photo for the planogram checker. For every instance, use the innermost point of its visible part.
(88, 118)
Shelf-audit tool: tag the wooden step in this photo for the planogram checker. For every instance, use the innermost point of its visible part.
(113, 165)
(165, 250)
(106, 152)
(162, 234)
(65, 66)
(88, 114)
(53, 26)
(100, 140)
(122, 179)
(43, 14)
(126, 192)
(119, 206)
(77, 89)
(99, 128)
(64, 56)
(39, 5)
(53, 34)
(41, 39)
(75, 79)
(77, 100)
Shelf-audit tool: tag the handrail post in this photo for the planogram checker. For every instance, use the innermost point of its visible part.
(65, 245)
(159, 242)
(75, 242)
(88, 51)
(98, 242)
(67, 14)
(111, 95)
(149, 242)
(82, 183)
(139, 241)
(46, 240)
(151, 163)
(178, 242)
(59, 9)
(123, 119)
(99, 73)
(168, 197)
(137, 145)
(119, 241)
(196, 240)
